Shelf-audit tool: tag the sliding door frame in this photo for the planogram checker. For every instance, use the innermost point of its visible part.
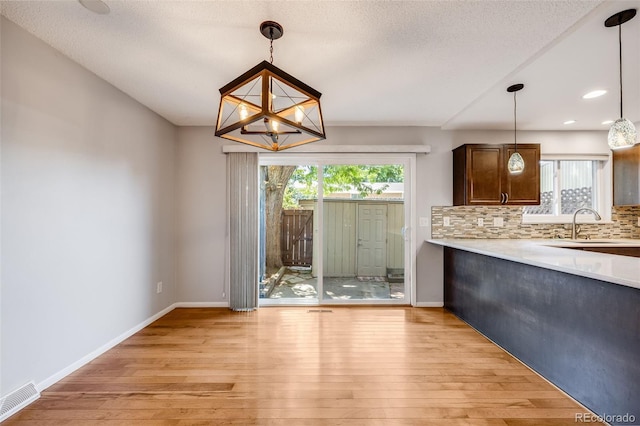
(408, 160)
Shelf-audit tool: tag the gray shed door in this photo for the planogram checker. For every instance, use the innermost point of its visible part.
(372, 240)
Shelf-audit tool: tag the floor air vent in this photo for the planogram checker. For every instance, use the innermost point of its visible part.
(319, 310)
(18, 399)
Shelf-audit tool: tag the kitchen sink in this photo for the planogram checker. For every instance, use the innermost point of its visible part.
(595, 242)
(621, 248)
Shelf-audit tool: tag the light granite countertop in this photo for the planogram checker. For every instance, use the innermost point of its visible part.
(623, 270)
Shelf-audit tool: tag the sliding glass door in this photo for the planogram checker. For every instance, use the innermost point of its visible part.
(335, 230)
(286, 233)
(363, 233)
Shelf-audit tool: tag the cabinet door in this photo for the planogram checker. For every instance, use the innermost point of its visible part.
(523, 189)
(484, 174)
(626, 176)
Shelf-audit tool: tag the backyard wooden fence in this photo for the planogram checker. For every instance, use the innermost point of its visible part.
(297, 237)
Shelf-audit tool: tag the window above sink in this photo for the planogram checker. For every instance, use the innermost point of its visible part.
(568, 183)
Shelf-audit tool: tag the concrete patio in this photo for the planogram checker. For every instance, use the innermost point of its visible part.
(298, 283)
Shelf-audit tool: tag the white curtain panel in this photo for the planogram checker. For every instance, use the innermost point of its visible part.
(242, 178)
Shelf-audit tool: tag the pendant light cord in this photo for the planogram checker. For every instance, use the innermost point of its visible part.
(515, 137)
(620, 54)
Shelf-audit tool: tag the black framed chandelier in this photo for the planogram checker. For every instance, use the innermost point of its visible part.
(267, 108)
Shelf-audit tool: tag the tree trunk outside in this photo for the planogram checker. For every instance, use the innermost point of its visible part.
(278, 177)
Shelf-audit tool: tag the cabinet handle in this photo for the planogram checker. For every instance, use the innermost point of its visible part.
(502, 198)
(506, 198)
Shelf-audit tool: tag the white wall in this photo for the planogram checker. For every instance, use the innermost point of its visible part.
(87, 202)
(201, 217)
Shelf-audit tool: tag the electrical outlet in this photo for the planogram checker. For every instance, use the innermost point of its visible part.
(638, 220)
(159, 287)
(446, 221)
(498, 222)
(480, 222)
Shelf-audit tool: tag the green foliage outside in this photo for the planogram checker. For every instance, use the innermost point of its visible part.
(303, 184)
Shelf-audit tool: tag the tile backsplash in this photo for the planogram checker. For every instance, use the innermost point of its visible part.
(463, 223)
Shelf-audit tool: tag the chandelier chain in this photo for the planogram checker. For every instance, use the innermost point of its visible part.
(271, 45)
(271, 52)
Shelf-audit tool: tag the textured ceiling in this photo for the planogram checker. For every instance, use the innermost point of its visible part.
(434, 63)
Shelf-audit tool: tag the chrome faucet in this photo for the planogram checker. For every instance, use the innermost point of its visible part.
(574, 233)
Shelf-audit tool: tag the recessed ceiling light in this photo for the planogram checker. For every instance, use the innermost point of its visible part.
(607, 122)
(569, 122)
(96, 6)
(594, 94)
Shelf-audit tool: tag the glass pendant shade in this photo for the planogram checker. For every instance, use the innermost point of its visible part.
(270, 109)
(622, 134)
(515, 164)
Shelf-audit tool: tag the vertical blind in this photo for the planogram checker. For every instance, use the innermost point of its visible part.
(242, 178)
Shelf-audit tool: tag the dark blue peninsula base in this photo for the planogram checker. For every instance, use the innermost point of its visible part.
(579, 333)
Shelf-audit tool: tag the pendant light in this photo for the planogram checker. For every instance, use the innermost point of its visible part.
(622, 133)
(516, 162)
(267, 108)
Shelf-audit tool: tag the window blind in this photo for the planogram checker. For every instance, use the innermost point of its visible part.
(242, 178)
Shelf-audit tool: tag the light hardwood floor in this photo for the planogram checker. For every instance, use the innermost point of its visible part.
(357, 366)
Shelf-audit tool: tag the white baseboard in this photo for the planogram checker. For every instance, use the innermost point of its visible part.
(201, 305)
(429, 304)
(102, 349)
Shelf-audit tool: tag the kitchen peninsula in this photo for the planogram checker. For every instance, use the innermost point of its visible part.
(569, 314)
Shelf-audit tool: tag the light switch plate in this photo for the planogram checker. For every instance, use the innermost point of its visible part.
(423, 221)
(480, 222)
(446, 221)
(498, 222)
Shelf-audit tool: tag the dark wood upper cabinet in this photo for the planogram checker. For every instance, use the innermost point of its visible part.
(626, 176)
(480, 175)
(477, 174)
(524, 189)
